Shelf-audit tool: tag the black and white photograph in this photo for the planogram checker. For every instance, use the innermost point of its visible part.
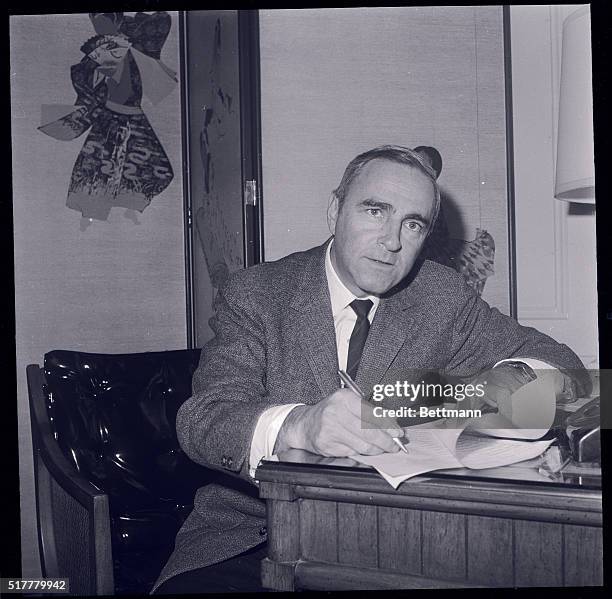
(306, 299)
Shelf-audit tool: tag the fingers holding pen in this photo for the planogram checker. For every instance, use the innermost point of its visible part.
(365, 435)
(335, 427)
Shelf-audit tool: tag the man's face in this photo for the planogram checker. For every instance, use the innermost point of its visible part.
(381, 226)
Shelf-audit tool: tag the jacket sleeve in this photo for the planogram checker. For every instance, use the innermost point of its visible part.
(482, 336)
(215, 426)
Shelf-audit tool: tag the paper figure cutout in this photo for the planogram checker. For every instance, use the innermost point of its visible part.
(473, 259)
(122, 162)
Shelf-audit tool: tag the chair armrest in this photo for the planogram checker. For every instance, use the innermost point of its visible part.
(73, 513)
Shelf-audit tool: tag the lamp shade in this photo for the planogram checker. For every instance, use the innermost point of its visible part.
(575, 173)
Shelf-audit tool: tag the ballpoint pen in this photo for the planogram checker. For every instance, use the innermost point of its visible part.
(352, 385)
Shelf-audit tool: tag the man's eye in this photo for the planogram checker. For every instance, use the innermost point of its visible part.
(374, 211)
(413, 225)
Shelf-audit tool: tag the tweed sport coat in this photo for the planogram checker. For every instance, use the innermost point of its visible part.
(275, 344)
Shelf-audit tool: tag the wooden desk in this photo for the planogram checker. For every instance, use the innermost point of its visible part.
(332, 526)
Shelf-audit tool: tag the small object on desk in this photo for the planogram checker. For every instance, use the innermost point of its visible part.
(583, 430)
(554, 459)
(352, 385)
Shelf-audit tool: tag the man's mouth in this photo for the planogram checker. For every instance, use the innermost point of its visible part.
(381, 262)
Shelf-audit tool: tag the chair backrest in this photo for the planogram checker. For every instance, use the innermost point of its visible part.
(114, 417)
(112, 483)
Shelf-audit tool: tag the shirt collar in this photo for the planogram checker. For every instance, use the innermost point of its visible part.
(339, 294)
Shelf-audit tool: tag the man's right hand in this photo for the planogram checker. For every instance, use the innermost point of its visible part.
(333, 427)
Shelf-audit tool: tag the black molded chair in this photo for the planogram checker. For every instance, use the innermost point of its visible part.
(112, 484)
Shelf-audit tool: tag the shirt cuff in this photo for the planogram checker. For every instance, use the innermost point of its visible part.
(265, 434)
(531, 362)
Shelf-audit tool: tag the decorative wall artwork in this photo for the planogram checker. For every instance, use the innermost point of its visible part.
(473, 259)
(214, 234)
(214, 43)
(122, 162)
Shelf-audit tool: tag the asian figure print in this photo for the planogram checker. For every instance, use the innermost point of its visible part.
(122, 162)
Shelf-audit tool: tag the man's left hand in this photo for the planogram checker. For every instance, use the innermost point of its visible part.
(500, 383)
(503, 380)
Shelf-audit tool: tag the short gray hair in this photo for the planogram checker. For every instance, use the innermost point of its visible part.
(419, 158)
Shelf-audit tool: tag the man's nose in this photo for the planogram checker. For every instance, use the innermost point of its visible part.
(391, 237)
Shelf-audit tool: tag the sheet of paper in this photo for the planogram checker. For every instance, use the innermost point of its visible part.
(521, 471)
(485, 452)
(441, 444)
(444, 431)
(397, 467)
(502, 438)
(430, 448)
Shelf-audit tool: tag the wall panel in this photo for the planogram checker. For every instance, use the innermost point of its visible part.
(555, 249)
(103, 286)
(337, 82)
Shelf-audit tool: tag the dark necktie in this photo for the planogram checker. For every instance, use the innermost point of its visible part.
(358, 336)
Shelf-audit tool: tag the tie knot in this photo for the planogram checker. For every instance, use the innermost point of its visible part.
(361, 307)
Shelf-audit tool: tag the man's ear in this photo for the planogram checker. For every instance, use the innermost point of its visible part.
(332, 212)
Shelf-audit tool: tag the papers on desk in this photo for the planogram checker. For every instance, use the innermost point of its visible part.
(488, 442)
(429, 450)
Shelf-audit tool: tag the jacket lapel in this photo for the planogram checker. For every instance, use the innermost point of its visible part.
(315, 323)
(393, 327)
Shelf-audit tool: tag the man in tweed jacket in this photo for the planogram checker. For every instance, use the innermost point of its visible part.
(268, 380)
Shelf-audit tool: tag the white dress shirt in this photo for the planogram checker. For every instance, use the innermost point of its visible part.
(270, 422)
